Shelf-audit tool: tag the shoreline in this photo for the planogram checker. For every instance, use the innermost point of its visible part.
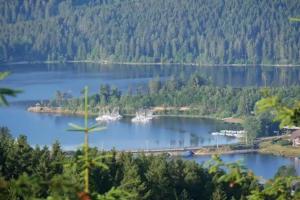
(265, 147)
(105, 62)
(60, 111)
(209, 151)
(198, 151)
(56, 111)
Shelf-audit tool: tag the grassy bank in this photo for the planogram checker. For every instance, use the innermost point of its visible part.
(279, 147)
(269, 147)
(225, 149)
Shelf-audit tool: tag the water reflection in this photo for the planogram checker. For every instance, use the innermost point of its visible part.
(40, 81)
(195, 140)
(253, 76)
(44, 129)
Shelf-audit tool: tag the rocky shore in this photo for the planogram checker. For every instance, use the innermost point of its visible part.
(56, 110)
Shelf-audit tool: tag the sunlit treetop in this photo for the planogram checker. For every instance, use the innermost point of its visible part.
(294, 19)
(287, 116)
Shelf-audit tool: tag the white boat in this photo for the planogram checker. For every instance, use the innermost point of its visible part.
(230, 133)
(143, 116)
(215, 133)
(108, 116)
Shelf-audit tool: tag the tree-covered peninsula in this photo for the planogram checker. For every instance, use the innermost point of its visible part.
(189, 31)
(189, 95)
(181, 96)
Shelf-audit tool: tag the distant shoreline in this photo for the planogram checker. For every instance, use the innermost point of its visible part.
(105, 62)
(61, 111)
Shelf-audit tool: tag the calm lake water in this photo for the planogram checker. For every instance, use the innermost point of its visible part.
(44, 129)
(263, 165)
(41, 81)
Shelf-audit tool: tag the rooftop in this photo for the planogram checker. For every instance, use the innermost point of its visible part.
(295, 134)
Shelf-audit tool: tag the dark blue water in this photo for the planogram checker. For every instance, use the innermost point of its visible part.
(41, 81)
(263, 165)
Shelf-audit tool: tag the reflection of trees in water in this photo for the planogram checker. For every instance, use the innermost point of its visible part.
(181, 142)
(209, 140)
(57, 119)
(182, 131)
(230, 139)
(172, 143)
(236, 76)
(252, 75)
(296, 162)
(202, 140)
(194, 140)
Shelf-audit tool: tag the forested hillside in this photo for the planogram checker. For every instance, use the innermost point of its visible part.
(44, 174)
(198, 31)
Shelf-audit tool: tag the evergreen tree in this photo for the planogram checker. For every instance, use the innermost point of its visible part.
(132, 182)
(219, 194)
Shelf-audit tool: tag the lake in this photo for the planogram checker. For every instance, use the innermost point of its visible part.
(44, 129)
(41, 81)
(263, 165)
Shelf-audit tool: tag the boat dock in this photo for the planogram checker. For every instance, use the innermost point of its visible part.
(230, 133)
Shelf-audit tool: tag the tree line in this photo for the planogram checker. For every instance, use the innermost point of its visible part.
(28, 172)
(194, 92)
(217, 31)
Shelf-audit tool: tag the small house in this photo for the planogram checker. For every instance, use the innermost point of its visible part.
(295, 138)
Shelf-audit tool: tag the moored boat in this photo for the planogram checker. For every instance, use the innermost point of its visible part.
(108, 116)
(143, 116)
(230, 133)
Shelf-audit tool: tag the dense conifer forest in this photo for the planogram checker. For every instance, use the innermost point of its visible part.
(51, 174)
(150, 31)
(198, 31)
